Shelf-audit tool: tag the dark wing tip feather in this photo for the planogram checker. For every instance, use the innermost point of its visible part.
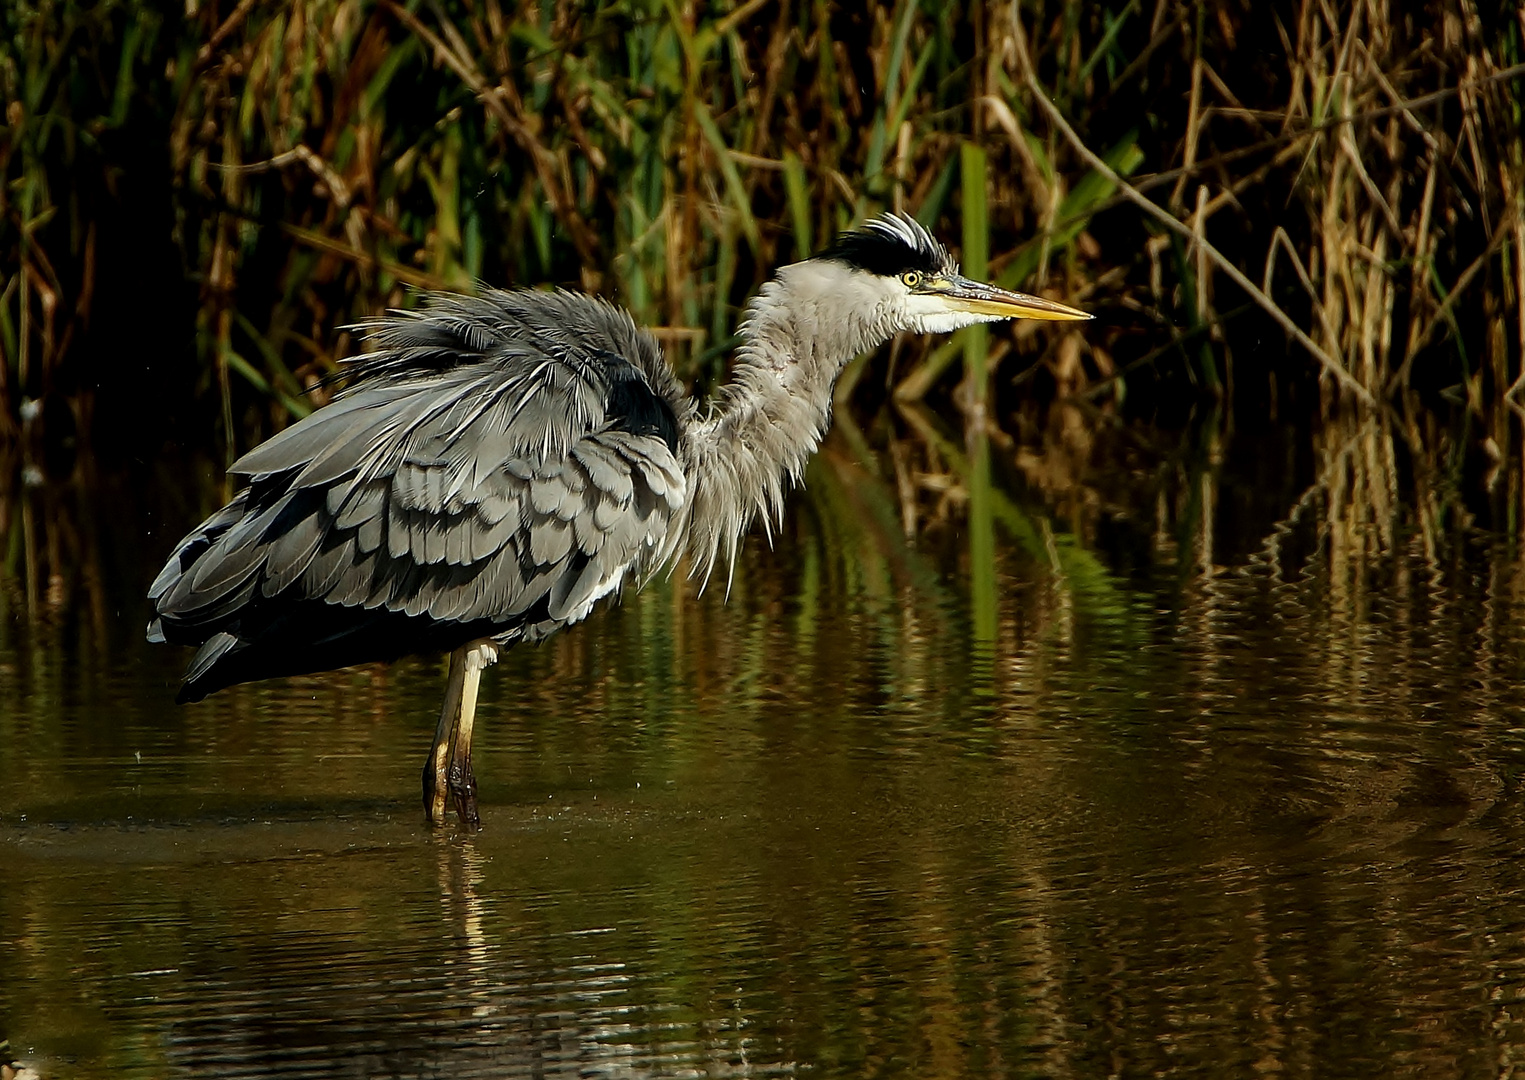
(195, 687)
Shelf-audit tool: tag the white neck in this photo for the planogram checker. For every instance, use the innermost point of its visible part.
(769, 419)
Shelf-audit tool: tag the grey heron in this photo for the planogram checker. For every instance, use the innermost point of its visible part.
(500, 463)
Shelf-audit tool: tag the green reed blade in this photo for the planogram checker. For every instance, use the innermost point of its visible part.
(132, 37)
(982, 558)
(915, 385)
(1075, 211)
(976, 259)
(885, 129)
(797, 192)
(937, 196)
(285, 387)
(1108, 39)
(252, 376)
(725, 275)
(734, 187)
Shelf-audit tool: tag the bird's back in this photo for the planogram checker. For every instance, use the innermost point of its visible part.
(499, 464)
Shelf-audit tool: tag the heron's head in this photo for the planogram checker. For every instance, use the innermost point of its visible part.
(894, 267)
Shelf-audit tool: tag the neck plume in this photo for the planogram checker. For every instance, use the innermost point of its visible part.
(767, 421)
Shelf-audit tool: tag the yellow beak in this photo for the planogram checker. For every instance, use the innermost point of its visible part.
(978, 298)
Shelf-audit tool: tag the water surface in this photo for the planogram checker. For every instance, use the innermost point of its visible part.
(1223, 787)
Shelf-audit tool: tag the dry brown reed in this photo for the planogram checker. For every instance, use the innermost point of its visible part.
(1357, 172)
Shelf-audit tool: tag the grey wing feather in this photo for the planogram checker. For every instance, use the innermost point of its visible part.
(550, 540)
(604, 470)
(453, 486)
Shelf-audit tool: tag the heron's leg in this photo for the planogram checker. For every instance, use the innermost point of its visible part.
(463, 783)
(436, 766)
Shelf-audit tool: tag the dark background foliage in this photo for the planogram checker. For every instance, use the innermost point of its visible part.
(197, 202)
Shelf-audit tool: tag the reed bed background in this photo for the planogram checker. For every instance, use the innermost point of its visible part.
(1285, 212)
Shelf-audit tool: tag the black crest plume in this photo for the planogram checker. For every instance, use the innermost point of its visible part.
(889, 245)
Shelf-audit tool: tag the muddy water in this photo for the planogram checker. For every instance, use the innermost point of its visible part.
(1216, 802)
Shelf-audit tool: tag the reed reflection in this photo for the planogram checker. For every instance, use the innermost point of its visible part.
(1238, 790)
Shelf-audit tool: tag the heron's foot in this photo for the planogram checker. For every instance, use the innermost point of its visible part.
(436, 792)
(463, 793)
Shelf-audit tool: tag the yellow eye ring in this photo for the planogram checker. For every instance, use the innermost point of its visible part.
(911, 279)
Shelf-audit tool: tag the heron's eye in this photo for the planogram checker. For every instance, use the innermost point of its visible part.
(911, 278)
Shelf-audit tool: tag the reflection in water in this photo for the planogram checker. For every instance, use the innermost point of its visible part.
(1235, 789)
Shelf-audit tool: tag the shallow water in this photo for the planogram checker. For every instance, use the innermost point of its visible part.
(1249, 803)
